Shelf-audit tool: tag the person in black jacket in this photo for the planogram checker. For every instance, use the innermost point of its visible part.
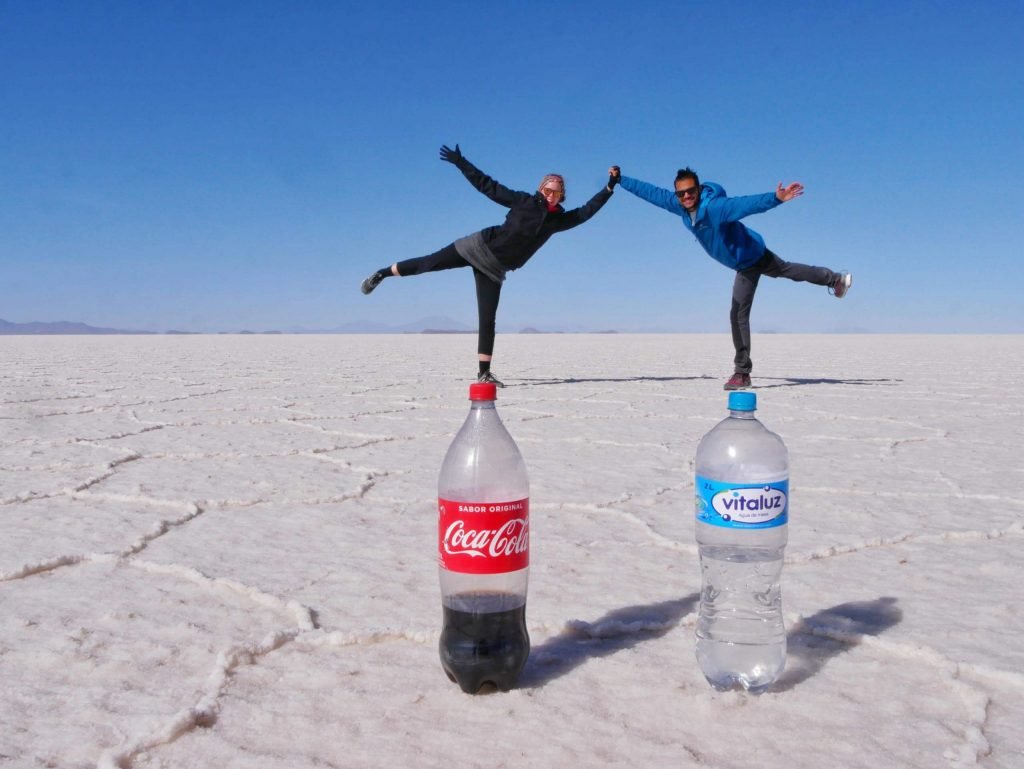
(493, 251)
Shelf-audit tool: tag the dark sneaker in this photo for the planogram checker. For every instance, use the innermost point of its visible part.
(842, 285)
(738, 381)
(371, 282)
(488, 378)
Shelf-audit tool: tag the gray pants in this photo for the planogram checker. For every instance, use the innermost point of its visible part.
(745, 285)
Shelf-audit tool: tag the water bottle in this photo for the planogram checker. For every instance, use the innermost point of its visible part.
(742, 506)
(483, 551)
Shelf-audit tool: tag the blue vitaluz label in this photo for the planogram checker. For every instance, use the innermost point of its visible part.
(742, 505)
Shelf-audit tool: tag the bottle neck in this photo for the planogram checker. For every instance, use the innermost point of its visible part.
(742, 414)
(481, 410)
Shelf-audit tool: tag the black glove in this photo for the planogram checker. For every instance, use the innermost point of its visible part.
(614, 178)
(450, 155)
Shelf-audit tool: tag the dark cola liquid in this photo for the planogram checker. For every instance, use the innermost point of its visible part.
(484, 646)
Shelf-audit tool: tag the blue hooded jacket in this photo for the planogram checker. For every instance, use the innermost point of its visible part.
(717, 225)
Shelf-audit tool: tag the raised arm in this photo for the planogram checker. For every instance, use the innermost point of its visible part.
(657, 196)
(496, 191)
(577, 216)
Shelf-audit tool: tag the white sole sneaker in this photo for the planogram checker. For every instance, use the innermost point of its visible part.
(842, 285)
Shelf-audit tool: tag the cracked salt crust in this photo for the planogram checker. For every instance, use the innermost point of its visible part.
(220, 551)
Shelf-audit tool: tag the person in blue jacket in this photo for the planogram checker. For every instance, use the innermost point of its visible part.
(714, 219)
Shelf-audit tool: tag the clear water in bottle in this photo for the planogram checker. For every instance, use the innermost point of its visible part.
(742, 511)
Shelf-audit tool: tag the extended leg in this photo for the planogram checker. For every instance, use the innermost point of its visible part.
(445, 259)
(774, 267)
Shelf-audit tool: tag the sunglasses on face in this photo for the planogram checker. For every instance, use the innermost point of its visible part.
(551, 190)
(688, 191)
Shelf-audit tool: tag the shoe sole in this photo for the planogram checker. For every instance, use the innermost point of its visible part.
(846, 287)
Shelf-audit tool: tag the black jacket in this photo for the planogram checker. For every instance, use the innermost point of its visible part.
(529, 224)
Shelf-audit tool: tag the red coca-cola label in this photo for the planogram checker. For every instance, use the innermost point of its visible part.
(483, 537)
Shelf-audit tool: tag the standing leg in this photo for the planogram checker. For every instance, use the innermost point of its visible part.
(743, 289)
(488, 293)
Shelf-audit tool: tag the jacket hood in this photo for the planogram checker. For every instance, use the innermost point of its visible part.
(709, 190)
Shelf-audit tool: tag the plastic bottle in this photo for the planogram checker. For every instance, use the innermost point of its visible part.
(742, 500)
(483, 551)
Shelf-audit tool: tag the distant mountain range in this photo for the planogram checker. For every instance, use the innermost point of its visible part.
(57, 327)
(435, 324)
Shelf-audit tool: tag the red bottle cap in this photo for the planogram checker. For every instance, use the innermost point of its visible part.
(483, 391)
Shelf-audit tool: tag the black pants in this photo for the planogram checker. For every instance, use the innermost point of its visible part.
(487, 291)
(743, 289)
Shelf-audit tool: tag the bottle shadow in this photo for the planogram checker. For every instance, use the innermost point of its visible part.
(618, 630)
(815, 640)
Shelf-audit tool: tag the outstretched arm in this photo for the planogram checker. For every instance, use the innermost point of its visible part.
(496, 191)
(734, 209)
(654, 195)
(577, 216)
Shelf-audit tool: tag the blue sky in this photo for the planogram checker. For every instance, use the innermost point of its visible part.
(224, 166)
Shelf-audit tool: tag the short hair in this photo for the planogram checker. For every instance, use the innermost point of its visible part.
(687, 173)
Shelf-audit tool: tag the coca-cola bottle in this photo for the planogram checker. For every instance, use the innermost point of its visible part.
(483, 550)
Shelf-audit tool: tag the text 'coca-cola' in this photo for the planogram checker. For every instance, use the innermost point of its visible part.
(483, 537)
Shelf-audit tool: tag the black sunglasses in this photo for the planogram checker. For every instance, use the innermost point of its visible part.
(687, 191)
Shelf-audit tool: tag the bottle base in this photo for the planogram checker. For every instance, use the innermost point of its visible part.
(474, 684)
(740, 685)
(748, 667)
(484, 651)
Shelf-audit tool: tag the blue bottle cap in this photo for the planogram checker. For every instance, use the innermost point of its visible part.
(742, 401)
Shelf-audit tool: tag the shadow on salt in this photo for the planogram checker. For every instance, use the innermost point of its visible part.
(590, 380)
(797, 382)
(618, 630)
(815, 640)
(811, 643)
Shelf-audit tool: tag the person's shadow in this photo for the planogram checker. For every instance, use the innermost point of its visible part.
(758, 381)
(620, 629)
(591, 380)
(815, 640)
(797, 382)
